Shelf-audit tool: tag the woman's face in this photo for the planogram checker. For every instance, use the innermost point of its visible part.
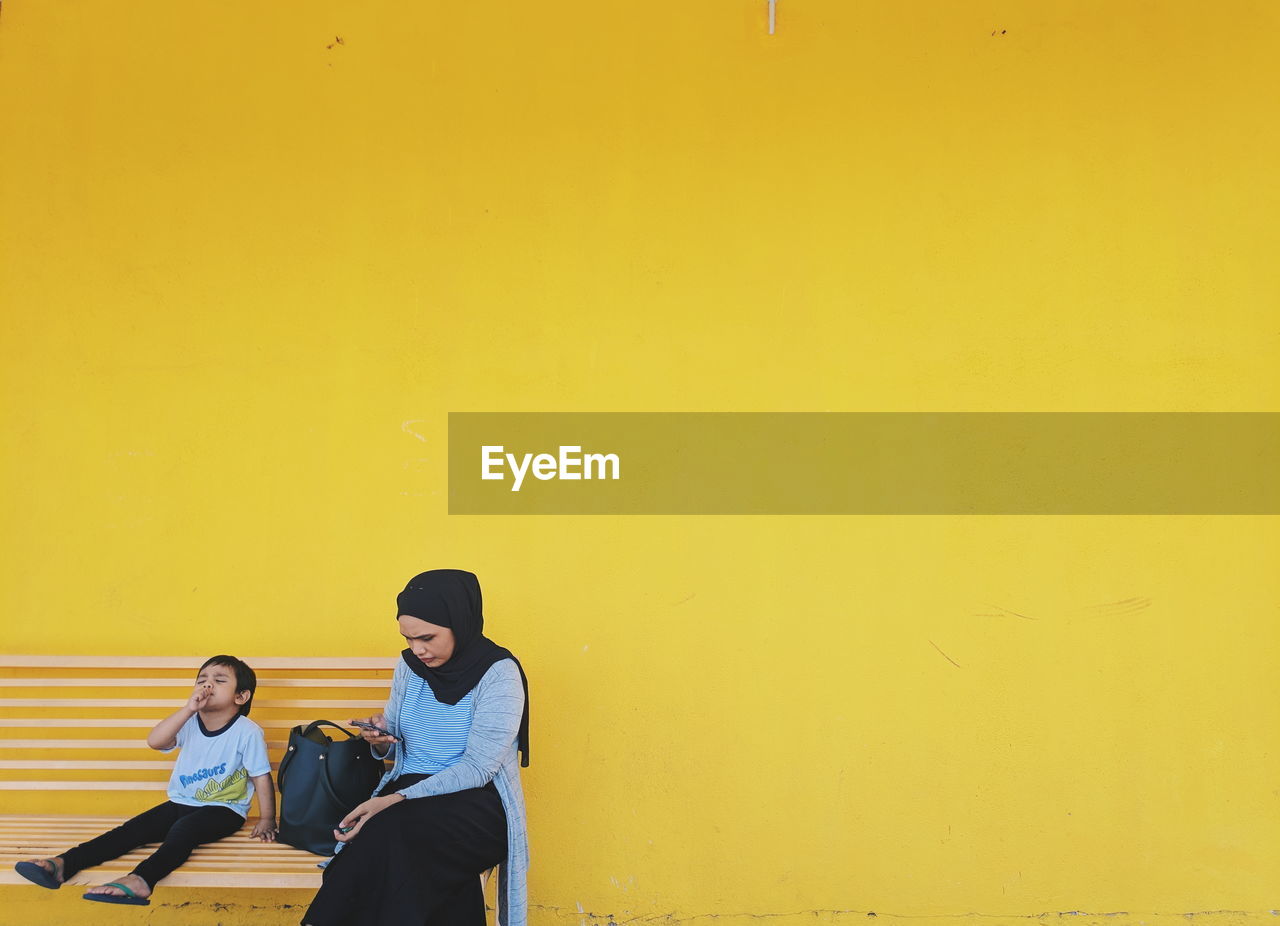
(431, 643)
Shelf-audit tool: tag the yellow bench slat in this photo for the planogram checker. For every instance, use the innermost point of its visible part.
(156, 785)
(39, 682)
(88, 764)
(234, 843)
(232, 861)
(169, 702)
(144, 723)
(139, 765)
(39, 818)
(94, 744)
(304, 663)
(235, 879)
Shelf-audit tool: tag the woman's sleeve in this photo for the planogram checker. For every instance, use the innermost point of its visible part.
(498, 709)
(392, 710)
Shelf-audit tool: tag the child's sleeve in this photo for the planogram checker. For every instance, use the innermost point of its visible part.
(255, 754)
(181, 739)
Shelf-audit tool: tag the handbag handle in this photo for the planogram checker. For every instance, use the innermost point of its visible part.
(325, 781)
(315, 724)
(285, 762)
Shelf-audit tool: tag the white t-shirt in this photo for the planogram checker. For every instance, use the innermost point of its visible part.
(214, 767)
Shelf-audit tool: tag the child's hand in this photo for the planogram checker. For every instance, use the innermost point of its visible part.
(265, 830)
(199, 697)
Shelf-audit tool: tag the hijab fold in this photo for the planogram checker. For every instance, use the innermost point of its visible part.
(451, 598)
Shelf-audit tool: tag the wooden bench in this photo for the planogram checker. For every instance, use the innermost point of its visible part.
(79, 724)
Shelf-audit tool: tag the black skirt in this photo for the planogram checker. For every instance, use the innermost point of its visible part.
(417, 863)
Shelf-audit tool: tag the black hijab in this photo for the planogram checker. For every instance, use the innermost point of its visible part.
(451, 598)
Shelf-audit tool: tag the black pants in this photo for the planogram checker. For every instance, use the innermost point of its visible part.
(177, 827)
(417, 862)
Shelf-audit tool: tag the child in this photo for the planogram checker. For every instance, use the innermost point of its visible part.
(222, 751)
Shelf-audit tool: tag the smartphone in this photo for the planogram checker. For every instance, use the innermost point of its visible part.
(368, 726)
(345, 829)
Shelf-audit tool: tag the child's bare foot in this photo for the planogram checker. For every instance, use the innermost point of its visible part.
(114, 889)
(47, 872)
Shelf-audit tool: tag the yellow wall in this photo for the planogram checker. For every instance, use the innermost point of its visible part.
(246, 270)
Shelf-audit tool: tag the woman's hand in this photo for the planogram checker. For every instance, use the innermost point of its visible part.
(354, 822)
(373, 736)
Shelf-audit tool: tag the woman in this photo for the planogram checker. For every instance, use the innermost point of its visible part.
(451, 807)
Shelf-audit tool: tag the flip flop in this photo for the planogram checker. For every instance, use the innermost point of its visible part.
(129, 897)
(38, 874)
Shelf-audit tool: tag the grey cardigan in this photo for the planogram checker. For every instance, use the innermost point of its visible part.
(490, 755)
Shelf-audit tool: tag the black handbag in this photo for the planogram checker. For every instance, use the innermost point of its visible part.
(321, 780)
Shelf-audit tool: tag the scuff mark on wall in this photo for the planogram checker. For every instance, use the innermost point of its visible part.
(406, 426)
(1124, 606)
(1005, 612)
(944, 655)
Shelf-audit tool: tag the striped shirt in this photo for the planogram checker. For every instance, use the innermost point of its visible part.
(434, 734)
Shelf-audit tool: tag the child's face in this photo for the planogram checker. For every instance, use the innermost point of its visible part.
(221, 683)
